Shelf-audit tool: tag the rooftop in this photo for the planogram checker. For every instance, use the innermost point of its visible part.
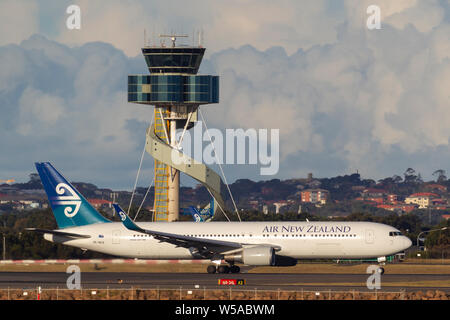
(423, 194)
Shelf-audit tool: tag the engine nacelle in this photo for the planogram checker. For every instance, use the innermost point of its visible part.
(258, 256)
(255, 256)
(261, 256)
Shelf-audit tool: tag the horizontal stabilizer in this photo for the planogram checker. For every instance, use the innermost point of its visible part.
(59, 233)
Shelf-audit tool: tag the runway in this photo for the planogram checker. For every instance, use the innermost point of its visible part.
(259, 281)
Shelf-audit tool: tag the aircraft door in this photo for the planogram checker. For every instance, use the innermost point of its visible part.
(370, 236)
(116, 237)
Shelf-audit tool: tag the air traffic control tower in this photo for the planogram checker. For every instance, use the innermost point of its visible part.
(176, 92)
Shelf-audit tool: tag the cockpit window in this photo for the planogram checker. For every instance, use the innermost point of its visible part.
(395, 233)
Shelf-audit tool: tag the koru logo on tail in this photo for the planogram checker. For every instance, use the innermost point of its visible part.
(72, 202)
(122, 215)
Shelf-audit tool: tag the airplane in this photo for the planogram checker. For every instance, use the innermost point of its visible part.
(202, 215)
(195, 214)
(224, 243)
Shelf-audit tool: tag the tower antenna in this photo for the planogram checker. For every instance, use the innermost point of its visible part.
(200, 38)
(173, 37)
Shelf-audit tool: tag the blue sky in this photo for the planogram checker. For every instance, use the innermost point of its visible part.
(344, 98)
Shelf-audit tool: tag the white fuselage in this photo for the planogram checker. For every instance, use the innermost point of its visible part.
(299, 240)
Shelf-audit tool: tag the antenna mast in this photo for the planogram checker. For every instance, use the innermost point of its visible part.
(173, 37)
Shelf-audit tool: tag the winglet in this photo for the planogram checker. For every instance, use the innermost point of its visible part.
(126, 220)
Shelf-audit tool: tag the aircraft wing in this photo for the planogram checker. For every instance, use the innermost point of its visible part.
(59, 233)
(205, 248)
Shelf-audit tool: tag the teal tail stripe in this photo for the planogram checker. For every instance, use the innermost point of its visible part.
(69, 207)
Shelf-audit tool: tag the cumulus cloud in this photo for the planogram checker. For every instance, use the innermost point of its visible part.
(38, 111)
(263, 23)
(68, 106)
(117, 22)
(345, 98)
(401, 13)
(357, 100)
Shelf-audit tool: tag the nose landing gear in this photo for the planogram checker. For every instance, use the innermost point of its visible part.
(380, 270)
(381, 262)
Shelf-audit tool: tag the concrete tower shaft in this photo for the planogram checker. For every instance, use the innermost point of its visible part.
(174, 178)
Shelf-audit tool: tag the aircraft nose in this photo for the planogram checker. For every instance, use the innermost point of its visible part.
(407, 242)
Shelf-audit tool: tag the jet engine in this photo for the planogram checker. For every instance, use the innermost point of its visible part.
(255, 256)
(260, 256)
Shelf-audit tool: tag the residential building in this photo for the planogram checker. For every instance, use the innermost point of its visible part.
(423, 199)
(400, 207)
(392, 198)
(319, 196)
(374, 193)
(436, 187)
(278, 205)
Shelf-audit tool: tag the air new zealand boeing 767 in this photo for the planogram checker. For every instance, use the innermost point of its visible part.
(249, 243)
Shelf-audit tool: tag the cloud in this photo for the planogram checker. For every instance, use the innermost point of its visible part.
(38, 111)
(263, 23)
(117, 22)
(353, 102)
(68, 106)
(345, 98)
(18, 20)
(401, 13)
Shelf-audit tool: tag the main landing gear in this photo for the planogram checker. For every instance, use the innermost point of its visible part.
(223, 269)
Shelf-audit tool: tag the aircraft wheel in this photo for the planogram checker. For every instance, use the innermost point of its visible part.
(235, 269)
(380, 270)
(211, 269)
(223, 269)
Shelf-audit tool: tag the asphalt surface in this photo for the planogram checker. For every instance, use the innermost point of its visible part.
(260, 281)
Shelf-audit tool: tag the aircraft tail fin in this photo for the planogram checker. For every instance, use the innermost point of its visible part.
(69, 207)
(195, 214)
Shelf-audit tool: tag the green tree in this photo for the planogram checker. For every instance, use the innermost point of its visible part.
(440, 175)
